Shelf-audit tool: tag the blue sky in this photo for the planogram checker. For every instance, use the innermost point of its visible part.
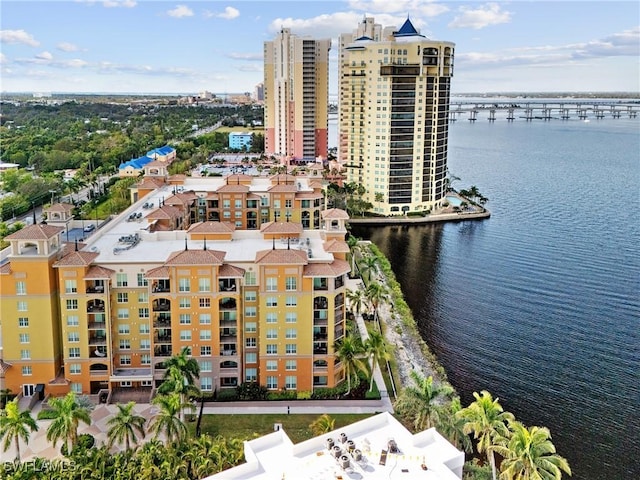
(189, 46)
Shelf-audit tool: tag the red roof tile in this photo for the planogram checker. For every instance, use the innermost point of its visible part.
(281, 257)
(35, 232)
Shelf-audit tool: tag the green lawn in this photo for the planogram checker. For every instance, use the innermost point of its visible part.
(250, 426)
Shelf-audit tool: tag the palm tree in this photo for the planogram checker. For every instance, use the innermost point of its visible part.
(14, 425)
(350, 353)
(67, 415)
(352, 242)
(124, 425)
(376, 294)
(167, 420)
(357, 301)
(180, 376)
(486, 419)
(423, 401)
(529, 455)
(368, 266)
(378, 350)
(451, 426)
(323, 424)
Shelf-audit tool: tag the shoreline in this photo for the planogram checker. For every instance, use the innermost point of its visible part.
(431, 218)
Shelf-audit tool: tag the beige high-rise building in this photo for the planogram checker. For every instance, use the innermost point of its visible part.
(296, 96)
(394, 109)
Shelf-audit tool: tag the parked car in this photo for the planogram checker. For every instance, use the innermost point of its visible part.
(90, 228)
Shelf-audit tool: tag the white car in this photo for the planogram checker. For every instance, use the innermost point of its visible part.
(89, 228)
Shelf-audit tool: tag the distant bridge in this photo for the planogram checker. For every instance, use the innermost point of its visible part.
(544, 109)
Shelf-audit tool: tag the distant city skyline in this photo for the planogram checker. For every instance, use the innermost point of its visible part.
(128, 46)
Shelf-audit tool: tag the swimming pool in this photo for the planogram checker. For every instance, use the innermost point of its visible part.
(453, 201)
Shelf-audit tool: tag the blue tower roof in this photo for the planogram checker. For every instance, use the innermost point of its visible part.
(407, 30)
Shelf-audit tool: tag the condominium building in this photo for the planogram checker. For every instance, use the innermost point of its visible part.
(393, 115)
(247, 272)
(296, 97)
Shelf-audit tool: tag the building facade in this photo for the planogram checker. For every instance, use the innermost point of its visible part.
(393, 115)
(240, 140)
(256, 293)
(296, 97)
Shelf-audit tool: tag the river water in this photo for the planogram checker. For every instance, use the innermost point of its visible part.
(540, 304)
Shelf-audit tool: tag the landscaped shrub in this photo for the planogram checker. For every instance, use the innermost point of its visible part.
(303, 395)
(46, 414)
(84, 443)
(227, 395)
(251, 391)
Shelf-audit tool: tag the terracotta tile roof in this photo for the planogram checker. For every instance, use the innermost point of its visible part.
(235, 177)
(213, 196)
(227, 270)
(336, 246)
(97, 272)
(165, 212)
(35, 232)
(177, 176)
(253, 196)
(281, 227)
(282, 188)
(4, 366)
(233, 189)
(196, 257)
(335, 214)
(60, 207)
(212, 227)
(281, 257)
(157, 163)
(5, 269)
(333, 269)
(70, 247)
(76, 259)
(315, 184)
(150, 182)
(185, 198)
(159, 272)
(308, 195)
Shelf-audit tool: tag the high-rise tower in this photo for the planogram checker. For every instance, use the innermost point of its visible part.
(296, 96)
(394, 109)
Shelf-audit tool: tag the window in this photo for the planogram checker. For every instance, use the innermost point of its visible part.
(70, 286)
(142, 282)
(276, 203)
(145, 344)
(204, 284)
(206, 384)
(250, 279)
(226, 203)
(205, 318)
(121, 280)
(72, 321)
(205, 303)
(144, 328)
(251, 375)
(250, 342)
(123, 313)
(125, 344)
(238, 203)
(125, 359)
(26, 354)
(292, 317)
(184, 285)
(143, 297)
(291, 365)
(72, 304)
(272, 301)
(185, 302)
(272, 284)
(206, 366)
(292, 301)
(185, 335)
(272, 365)
(250, 327)
(23, 322)
(22, 306)
(272, 317)
(272, 333)
(205, 334)
(122, 297)
(251, 357)
(74, 352)
(26, 370)
(250, 311)
(250, 296)
(73, 337)
(126, 384)
(272, 382)
(272, 349)
(205, 351)
(76, 387)
(145, 359)
(21, 288)
(291, 382)
(24, 338)
(291, 333)
(185, 319)
(75, 369)
(124, 329)
(291, 349)
(291, 283)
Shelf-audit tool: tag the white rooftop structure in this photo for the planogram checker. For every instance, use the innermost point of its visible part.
(378, 447)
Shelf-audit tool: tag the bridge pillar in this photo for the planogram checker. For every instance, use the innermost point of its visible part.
(564, 114)
(492, 115)
(528, 113)
(473, 114)
(510, 115)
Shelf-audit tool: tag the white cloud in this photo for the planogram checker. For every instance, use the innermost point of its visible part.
(246, 56)
(67, 47)
(44, 56)
(180, 11)
(18, 36)
(119, 3)
(481, 17)
(3, 59)
(417, 8)
(229, 13)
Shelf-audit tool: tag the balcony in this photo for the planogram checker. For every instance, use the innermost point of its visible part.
(320, 348)
(228, 349)
(161, 305)
(98, 323)
(228, 304)
(163, 351)
(99, 338)
(320, 303)
(95, 306)
(320, 366)
(95, 287)
(99, 351)
(161, 286)
(162, 320)
(227, 285)
(162, 336)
